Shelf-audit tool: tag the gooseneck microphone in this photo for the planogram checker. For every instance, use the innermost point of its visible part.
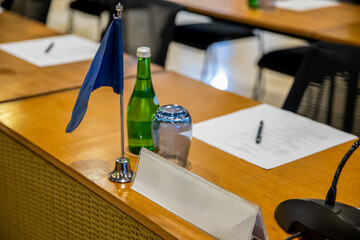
(317, 219)
(331, 195)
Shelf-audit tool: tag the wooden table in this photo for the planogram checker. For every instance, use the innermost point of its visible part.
(20, 79)
(15, 27)
(305, 24)
(88, 154)
(345, 35)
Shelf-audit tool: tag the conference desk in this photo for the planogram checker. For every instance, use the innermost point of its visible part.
(20, 79)
(15, 27)
(346, 35)
(304, 24)
(76, 194)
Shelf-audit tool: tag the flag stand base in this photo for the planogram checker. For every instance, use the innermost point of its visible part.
(122, 172)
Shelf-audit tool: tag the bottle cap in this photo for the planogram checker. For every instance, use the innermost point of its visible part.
(143, 52)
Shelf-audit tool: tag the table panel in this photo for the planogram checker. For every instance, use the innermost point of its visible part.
(89, 153)
(39, 201)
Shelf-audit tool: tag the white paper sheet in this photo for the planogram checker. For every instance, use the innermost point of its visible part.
(285, 136)
(304, 5)
(66, 49)
(207, 206)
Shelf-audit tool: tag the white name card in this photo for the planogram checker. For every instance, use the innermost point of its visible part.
(216, 211)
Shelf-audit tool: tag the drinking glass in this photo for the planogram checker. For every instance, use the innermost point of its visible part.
(172, 133)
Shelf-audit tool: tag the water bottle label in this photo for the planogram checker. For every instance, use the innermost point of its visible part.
(156, 102)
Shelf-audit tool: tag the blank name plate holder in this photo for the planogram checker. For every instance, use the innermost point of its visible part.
(214, 210)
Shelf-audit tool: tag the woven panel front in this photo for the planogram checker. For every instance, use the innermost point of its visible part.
(39, 201)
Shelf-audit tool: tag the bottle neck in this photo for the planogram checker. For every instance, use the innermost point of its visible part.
(143, 69)
(143, 77)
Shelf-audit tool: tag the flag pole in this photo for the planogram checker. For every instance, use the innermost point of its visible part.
(122, 125)
(122, 172)
(119, 9)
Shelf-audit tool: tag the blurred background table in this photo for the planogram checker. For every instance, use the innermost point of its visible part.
(346, 35)
(20, 79)
(303, 24)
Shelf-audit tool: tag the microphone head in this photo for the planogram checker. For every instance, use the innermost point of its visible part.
(318, 221)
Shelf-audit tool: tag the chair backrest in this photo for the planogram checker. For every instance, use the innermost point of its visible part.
(149, 23)
(327, 86)
(34, 9)
(351, 1)
(6, 4)
(93, 7)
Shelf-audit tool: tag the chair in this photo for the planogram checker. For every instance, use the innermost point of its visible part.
(326, 86)
(92, 7)
(34, 9)
(6, 4)
(203, 35)
(149, 23)
(286, 61)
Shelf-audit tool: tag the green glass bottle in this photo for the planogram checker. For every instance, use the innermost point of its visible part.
(254, 3)
(142, 105)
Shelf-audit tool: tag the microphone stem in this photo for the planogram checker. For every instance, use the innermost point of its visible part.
(331, 195)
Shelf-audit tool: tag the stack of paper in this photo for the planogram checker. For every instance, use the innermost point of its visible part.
(286, 136)
(52, 50)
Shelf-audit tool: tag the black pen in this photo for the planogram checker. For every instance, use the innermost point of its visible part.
(258, 135)
(49, 47)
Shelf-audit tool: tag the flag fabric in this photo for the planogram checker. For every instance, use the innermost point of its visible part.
(106, 69)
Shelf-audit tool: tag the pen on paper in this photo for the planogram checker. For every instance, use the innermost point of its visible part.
(51, 45)
(259, 132)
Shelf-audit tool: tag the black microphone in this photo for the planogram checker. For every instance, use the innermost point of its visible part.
(317, 219)
(331, 195)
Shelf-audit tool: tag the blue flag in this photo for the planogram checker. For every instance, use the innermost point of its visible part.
(106, 69)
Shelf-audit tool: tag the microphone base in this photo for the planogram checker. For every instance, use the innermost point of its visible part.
(318, 221)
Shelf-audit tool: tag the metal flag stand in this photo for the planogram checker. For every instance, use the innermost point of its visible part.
(122, 172)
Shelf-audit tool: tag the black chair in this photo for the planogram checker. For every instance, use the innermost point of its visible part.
(326, 86)
(6, 4)
(92, 7)
(34, 9)
(149, 23)
(286, 61)
(203, 35)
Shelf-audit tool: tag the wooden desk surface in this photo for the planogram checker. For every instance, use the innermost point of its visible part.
(20, 79)
(88, 153)
(345, 35)
(14, 27)
(302, 24)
